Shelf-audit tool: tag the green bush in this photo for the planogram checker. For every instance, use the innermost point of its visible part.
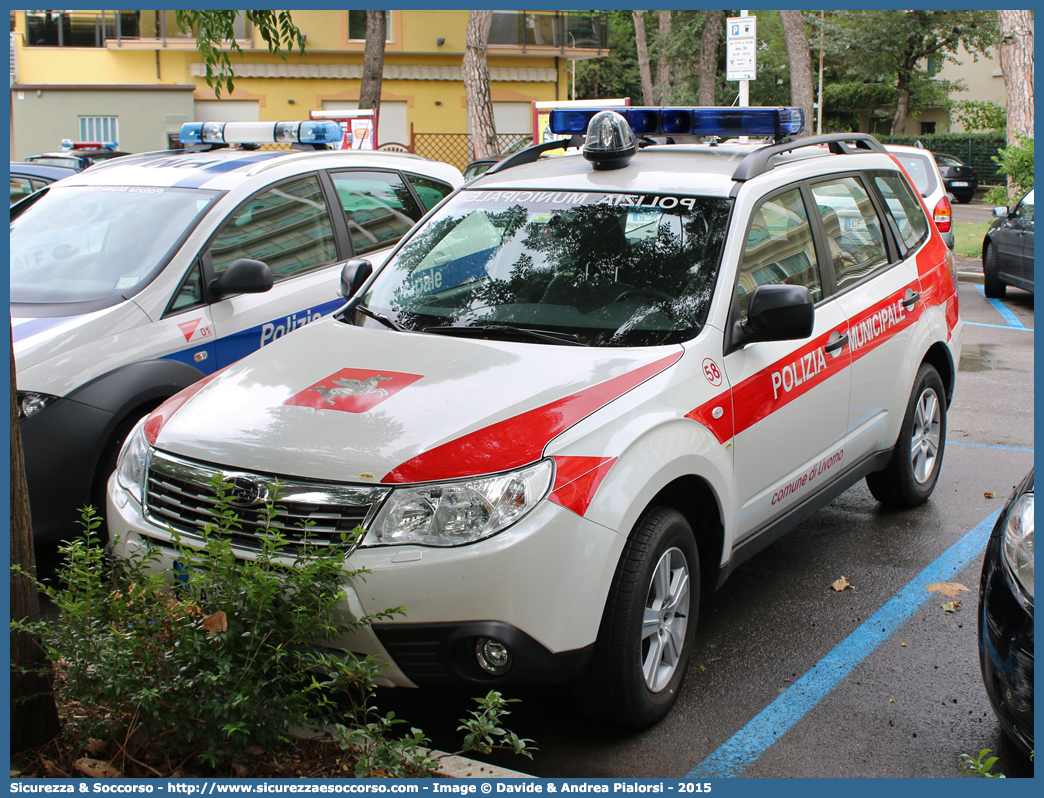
(1015, 161)
(227, 652)
(228, 656)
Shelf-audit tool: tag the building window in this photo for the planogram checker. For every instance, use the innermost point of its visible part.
(99, 128)
(927, 128)
(357, 26)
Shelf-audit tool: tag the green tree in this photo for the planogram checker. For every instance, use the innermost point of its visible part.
(906, 49)
(216, 40)
(616, 73)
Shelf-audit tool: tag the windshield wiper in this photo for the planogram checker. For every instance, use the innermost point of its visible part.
(373, 314)
(478, 330)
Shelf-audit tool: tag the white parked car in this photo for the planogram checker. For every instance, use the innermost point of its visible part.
(580, 392)
(138, 277)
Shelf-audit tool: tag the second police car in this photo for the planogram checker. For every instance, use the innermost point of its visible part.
(582, 391)
(141, 275)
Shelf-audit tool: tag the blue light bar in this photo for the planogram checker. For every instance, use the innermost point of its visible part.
(323, 131)
(724, 122)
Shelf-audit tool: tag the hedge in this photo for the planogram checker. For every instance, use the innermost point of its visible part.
(975, 149)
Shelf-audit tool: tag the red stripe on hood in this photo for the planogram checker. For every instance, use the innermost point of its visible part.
(516, 441)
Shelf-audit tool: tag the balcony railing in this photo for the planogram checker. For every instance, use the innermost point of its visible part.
(98, 28)
(561, 29)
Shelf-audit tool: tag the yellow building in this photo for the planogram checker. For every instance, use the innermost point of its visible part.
(132, 77)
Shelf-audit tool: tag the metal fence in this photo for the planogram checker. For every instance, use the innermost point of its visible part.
(456, 148)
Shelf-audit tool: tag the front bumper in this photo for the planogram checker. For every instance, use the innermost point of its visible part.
(539, 587)
(1006, 646)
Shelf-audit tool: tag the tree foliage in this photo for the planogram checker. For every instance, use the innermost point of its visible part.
(979, 114)
(904, 49)
(216, 39)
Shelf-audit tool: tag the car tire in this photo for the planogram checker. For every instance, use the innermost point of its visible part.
(645, 638)
(992, 286)
(913, 469)
(964, 199)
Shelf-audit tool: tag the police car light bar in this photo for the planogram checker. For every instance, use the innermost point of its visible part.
(89, 145)
(314, 132)
(706, 121)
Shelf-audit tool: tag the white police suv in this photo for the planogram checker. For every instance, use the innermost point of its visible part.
(140, 276)
(581, 391)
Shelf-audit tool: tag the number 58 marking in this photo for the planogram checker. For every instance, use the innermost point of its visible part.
(711, 372)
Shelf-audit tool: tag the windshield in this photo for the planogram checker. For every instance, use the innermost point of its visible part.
(90, 243)
(607, 269)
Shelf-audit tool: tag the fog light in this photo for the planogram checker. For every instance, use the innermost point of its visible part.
(492, 655)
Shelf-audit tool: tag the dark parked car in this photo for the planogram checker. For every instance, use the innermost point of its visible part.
(78, 155)
(29, 177)
(1007, 249)
(483, 165)
(960, 179)
(1006, 617)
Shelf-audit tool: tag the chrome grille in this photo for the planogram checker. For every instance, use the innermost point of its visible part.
(180, 496)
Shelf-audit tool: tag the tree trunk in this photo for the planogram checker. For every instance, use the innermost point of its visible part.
(707, 63)
(373, 62)
(801, 87)
(643, 58)
(663, 65)
(1016, 61)
(33, 721)
(902, 105)
(476, 85)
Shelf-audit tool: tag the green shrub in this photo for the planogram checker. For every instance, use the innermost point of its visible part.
(228, 656)
(1015, 161)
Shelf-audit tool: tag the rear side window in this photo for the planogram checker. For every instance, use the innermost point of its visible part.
(379, 207)
(779, 250)
(288, 227)
(20, 187)
(903, 207)
(853, 229)
(431, 192)
(922, 171)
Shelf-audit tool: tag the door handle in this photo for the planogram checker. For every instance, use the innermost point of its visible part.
(836, 346)
(911, 299)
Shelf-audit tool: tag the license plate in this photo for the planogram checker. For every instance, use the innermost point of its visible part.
(959, 183)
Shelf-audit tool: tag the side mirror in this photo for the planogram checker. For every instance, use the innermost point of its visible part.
(243, 276)
(355, 272)
(780, 313)
(1001, 212)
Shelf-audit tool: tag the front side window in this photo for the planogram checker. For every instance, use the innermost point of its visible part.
(288, 227)
(779, 250)
(95, 243)
(1025, 209)
(852, 227)
(379, 207)
(600, 269)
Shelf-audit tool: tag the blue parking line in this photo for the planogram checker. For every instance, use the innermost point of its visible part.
(996, 326)
(992, 446)
(744, 747)
(1010, 318)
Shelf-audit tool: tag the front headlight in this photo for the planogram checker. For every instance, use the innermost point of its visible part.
(454, 513)
(30, 403)
(1018, 541)
(133, 464)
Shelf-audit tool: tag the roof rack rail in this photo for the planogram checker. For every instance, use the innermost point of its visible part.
(760, 161)
(531, 154)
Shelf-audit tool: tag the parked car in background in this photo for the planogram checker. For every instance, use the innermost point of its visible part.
(924, 172)
(483, 165)
(960, 179)
(29, 177)
(78, 155)
(1007, 249)
(1006, 617)
(136, 278)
